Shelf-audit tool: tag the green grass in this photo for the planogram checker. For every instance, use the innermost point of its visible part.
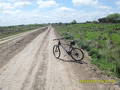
(116, 38)
(13, 30)
(102, 41)
(10, 34)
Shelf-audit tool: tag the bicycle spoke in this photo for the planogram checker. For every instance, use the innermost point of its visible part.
(77, 54)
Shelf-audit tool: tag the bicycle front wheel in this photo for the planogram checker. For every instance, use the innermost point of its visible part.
(77, 54)
(56, 51)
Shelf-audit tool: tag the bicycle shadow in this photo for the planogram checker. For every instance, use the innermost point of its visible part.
(73, 61)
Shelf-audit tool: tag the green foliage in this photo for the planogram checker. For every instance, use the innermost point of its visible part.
(74, 22)
(112, 18)
(117, 69)
(68, 36)
(11, 30)
(102, 41)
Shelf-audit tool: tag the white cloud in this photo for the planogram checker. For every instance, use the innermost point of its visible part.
(11, 12)
(20, 0)
(61, 14)
(65, 9)
(13, 5)
(46, 4)
(118, 3)
(21, 3)
(5, 5)
(93, 3)
(103, 7)
(85, 2)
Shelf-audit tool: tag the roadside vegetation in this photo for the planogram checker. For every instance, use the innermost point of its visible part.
(101, 40)
(12, 30)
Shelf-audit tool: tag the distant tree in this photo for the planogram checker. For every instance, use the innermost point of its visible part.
(94, 21)
(88, 21)
(112, 18)
(74, 22)
(102, 20)
(60, 23)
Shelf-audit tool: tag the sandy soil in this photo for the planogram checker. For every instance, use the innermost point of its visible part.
(35, 68)
(12, 45)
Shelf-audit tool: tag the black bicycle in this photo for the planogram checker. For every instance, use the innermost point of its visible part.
(76, 53)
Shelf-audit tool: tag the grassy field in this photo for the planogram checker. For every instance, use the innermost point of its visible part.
(102, 41)
(12, 30)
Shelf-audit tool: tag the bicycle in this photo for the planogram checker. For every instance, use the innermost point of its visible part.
(75, 53)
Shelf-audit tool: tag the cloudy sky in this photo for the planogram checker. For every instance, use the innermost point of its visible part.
(15, 12)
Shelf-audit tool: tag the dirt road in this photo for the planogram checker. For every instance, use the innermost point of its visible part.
(35, 68)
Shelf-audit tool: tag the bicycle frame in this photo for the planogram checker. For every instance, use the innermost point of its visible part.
(67, 51)
(73, 52)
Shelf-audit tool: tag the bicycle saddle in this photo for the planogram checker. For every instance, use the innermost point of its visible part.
(72, 43)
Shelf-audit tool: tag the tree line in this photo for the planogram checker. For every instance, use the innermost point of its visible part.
(112, 18)
(8, 30)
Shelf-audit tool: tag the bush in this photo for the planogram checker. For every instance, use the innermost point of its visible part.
(68, 36)
(118, 69)
(95, 53)
(74, 22)
(112, 18)
(84, 45)
(100, 40)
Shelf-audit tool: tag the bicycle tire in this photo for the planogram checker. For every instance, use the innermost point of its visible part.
(57, 49)
(80, 52)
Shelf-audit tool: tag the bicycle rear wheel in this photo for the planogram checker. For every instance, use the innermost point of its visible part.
(56, 51)
(77, 54)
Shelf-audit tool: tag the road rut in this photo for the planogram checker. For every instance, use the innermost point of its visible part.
(35, 68)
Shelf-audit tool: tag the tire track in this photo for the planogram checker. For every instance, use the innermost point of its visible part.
(10, 49)
(40, 79)
(13, 75)
(35, 68)
(27, 85)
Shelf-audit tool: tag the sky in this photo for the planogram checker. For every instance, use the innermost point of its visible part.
(17, 12)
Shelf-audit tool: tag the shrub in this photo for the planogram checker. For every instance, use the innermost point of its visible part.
(118, 69)
(68, 36)
(84, 45)
(95, 53)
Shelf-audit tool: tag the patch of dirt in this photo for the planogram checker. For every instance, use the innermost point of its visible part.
(12, 47)
(36, 68)
(86, 71)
